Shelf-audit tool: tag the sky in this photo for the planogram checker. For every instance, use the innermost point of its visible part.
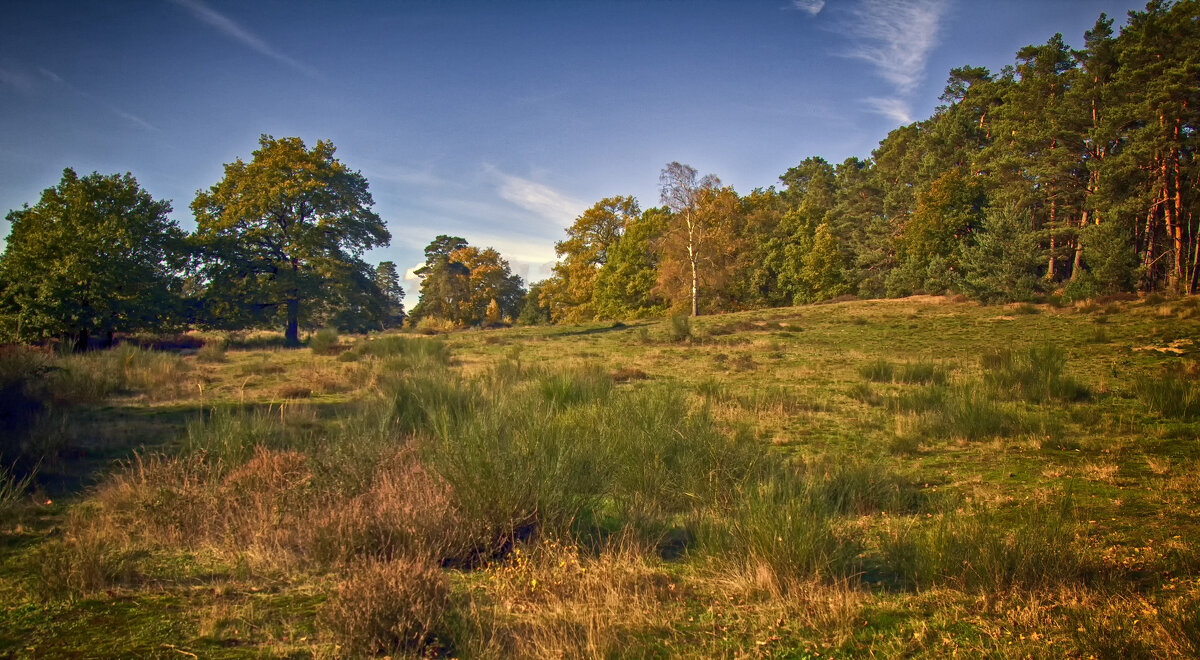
(499, 122)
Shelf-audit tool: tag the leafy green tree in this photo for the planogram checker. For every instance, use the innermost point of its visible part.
(533, 312)
(1110, 257)
(95, 255)
(391, 290)
(459, 282)
(583, 254)
(490, 281)
(1004, 261)
(823, 266)
(444, 282)
(284, 230)
(625, 285)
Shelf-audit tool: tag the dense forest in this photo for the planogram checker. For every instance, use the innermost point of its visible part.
(1070, 174)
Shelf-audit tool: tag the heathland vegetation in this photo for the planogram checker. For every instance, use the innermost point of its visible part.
(654, 452)
(899, 477)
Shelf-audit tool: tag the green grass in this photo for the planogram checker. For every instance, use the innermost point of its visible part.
(884, 482)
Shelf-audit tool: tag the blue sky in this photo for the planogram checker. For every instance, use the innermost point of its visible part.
(496, 121)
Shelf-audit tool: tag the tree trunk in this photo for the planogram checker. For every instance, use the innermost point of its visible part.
(1077, 265)
(691, 248)
(81, 341)
(292, 336)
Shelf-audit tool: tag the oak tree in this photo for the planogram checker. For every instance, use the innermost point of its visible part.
(288, 227)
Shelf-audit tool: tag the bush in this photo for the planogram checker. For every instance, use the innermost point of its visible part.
(212, 352)
(396, 606)
(1036, 375)
(1170, 395)
(680, 328)
(324, 341)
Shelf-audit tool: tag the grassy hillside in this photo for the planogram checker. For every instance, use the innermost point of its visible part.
(897, 477)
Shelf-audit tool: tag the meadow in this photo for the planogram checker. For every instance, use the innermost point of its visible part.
(921, 477)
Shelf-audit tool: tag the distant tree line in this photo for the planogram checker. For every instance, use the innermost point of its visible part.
(279, 242)
(1071, 172)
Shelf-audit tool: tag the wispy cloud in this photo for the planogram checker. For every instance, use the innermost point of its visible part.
(538, 198)
(115, 110)
(896, 37)
(231, 29)
(810, 7)
(893, 108)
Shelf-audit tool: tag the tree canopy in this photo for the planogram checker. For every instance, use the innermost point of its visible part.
(288, 227)
(95, 255)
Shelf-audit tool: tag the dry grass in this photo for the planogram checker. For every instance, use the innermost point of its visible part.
(388, 606)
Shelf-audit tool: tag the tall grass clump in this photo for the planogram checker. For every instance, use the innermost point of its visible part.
(1035, 375)
(1170, 395)
(96, 376)
(213, 352)
(679, 328)
(13, 489)
(879, 371)
(324, 341)
(786, 520)
(984, 551)
(971, 413)
(410, 351)
(884, 371)
(774, 526)
(566, 453)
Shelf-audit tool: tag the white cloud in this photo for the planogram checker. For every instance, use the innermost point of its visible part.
(896, 36)
(410, 275)
(893, 108)
(231, 29)
(538, 198)
(810, 7)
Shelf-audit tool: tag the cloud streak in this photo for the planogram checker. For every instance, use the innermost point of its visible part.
(537, 198)
(127, 116)
(810, 7)
(896, 37)
(230, 28)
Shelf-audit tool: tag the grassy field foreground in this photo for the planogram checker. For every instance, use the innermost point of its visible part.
(917, 477)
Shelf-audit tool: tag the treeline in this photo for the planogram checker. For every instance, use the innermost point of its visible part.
(1070, 173)
(279, 242)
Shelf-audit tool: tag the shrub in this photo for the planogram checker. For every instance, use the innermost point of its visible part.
(1035, 375)
(324, 341)
(680, 328)
(212, 352)
(1170, 395)
(387, 607)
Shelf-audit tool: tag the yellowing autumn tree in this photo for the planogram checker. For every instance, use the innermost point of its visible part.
(569, 294)
(698, 248)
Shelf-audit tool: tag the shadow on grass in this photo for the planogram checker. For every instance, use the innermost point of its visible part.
(80, 445)
(595, 331)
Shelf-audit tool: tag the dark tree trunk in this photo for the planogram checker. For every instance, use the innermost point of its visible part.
(292, 336)
(81, 341)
